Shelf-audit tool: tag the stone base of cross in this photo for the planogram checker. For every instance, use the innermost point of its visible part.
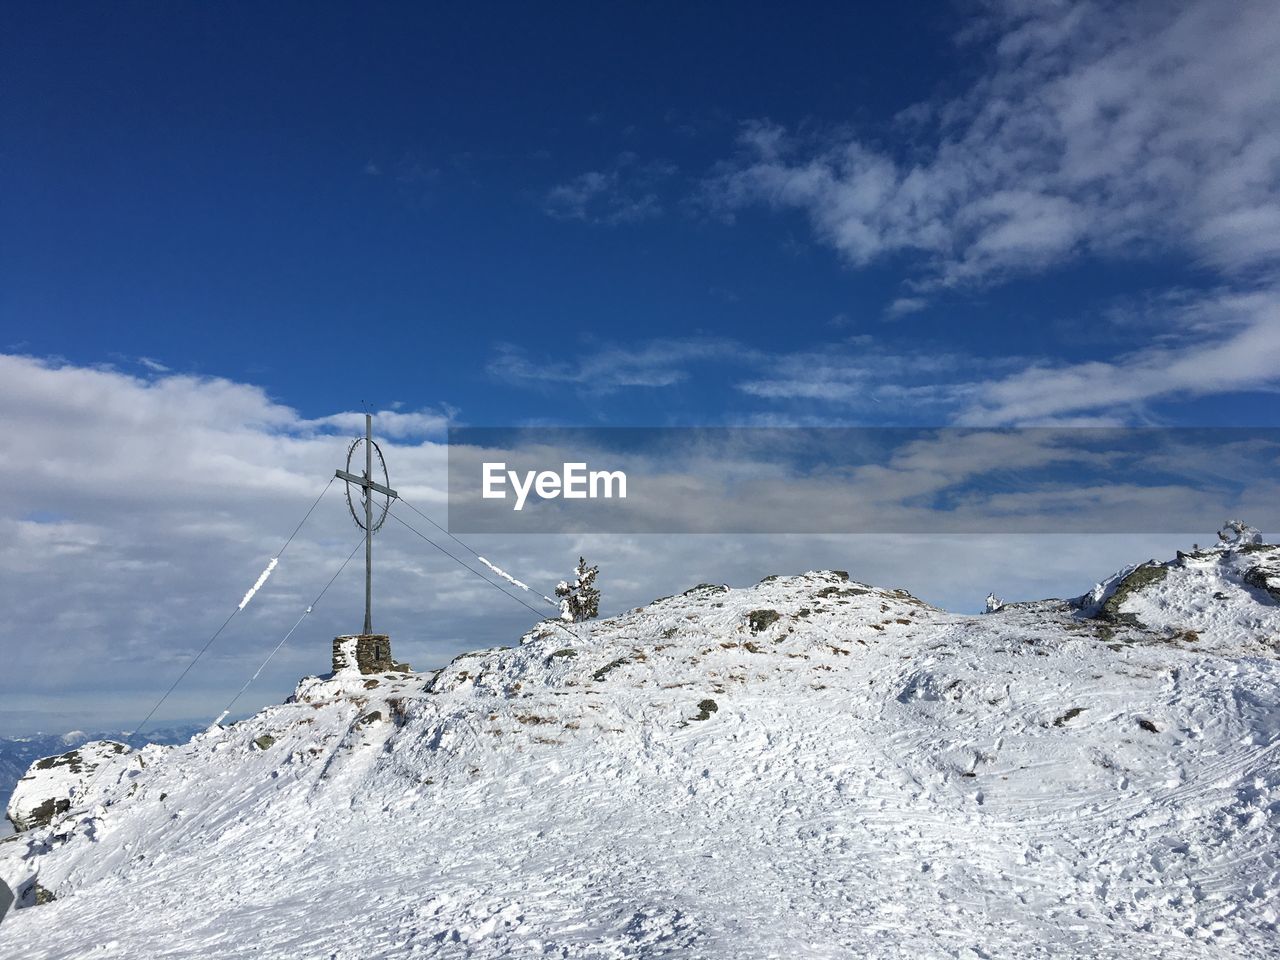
(365, 652)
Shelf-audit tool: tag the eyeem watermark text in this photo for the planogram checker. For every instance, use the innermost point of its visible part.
(573, 482)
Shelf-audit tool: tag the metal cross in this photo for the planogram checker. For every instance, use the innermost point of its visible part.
(366, 483)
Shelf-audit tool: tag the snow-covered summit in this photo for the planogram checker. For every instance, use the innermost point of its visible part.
(808, 767)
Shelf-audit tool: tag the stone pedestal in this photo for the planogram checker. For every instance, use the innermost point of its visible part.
(367, 652)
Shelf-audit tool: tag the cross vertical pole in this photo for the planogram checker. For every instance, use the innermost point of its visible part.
(368, 525)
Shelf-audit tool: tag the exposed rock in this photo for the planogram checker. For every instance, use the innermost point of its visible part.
(608, 668)
(841, 592)
(760, 620)
(705, 709)
(42, 814)
(1140, 577)
(1068, 716)
(708, 587)
(1265, 577)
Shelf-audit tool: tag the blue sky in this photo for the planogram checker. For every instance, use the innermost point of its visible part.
(227, 228)
(485, 206)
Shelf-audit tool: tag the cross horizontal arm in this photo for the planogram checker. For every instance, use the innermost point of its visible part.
(363, 482)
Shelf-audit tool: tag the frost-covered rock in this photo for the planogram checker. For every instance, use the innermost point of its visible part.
(994, 603)
(1265, 576)
(1115, 605)
(53, 784)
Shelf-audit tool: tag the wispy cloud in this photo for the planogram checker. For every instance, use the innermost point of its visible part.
(863, 375)
(1101, 128)
(604, 369)
(627, 192)
(905, 305)
(1223, 342)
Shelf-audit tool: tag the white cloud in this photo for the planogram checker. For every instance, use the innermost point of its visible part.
(905, 305)
(134, 511)
(1105, 128)
(391, 423)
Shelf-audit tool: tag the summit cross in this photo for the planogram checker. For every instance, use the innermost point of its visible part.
(368, 487)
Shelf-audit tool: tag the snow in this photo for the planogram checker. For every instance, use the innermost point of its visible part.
(262, 578)
(872, 777)
(512, 580)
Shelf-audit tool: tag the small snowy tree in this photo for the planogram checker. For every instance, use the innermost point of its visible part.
(579, 600)
(994, 603)
(1236, 533)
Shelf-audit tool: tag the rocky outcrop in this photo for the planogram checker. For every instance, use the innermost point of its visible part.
(1266, 577)
(1143, 576)
(51, 785)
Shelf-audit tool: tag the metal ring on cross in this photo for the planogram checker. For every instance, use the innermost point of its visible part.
(378, 464)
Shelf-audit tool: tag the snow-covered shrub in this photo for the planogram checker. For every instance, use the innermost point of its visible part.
(1235, 533)
(579, 600)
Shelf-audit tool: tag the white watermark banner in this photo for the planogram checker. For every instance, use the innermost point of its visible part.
(860, 480)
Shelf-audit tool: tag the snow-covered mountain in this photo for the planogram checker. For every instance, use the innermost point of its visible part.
(809, 767)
